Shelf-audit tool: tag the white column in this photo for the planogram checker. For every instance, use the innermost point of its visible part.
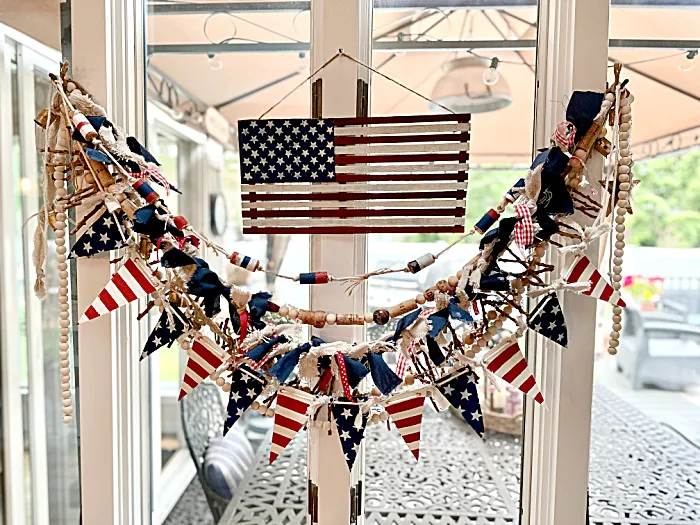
(572, 55)
(107, 58)
(347, 25)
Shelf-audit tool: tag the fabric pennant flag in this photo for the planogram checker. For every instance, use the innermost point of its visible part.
(246, 386)
(583, 270)
(508, 362)
(460, 391)
(351, 428)
(548, 320)
(131, 282)
(205, 357)
(407, 414)
(164, 333)
(290, 417)
(101, 233)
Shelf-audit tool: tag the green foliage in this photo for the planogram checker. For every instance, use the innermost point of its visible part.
(487, 184)
(666, 203)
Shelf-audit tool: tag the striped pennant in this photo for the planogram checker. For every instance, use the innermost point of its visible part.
(583, 270)
(131, 282)
(205, 357)
(407, 414)
(290, 416)
(508, 363)
(398, 174)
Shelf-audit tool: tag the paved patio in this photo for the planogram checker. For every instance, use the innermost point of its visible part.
(641, 473)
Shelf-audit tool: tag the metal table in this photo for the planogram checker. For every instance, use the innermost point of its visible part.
(641, 473)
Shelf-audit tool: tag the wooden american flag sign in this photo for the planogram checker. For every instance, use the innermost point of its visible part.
(402, 174)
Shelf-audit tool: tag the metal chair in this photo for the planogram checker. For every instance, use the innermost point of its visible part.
(203, 418)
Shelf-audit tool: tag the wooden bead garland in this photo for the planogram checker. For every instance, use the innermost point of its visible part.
(624, 176)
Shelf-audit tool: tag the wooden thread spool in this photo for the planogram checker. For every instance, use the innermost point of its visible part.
(350, 319)
(421, 262)
(317, 319)
(245, 262)
(102, 174)
(402, 308)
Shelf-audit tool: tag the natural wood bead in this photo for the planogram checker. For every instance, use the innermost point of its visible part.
(293, 313)
(623, 203)
(420, 298)
(617, 327)
(317, 319)
(491, 315)
(453, 280)
(623, 170)
(617, 261)
(540, 250)
(612, 350)
(623, 177)
(460, 273)
(430, 294)
(619, 219)
(442, 285)
(481, 342)
(470, 354)
(614, 343)
(620, 228)
(610, 97)
(617, 278)
(620, 245)
(507, 309)
(616, 318)
(625, 127)
(375, 392)
(622, 195)
(624, 135)
(468, 339)
(493, 329)
(409, 379)
(617, 310)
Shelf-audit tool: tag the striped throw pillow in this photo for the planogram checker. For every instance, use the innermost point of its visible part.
(226, 462)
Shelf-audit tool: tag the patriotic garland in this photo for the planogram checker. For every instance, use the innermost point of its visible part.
(272, 368)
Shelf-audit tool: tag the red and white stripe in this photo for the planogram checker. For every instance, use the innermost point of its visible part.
(563, 136)
(407, 414)
(157, 177)
(583, 270)
(205, 357)
(290, 417)
(508, 363)
(524, 231)
(131, 282)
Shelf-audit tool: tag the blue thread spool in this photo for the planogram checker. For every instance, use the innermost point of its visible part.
(488, 220)
(422, 262)
(144, 189)
(512, 193)
(313, 278)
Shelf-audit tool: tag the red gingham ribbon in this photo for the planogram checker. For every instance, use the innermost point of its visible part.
(524, 232)
(401, 365)
(158, 177)
(566, 141)
(343, 375)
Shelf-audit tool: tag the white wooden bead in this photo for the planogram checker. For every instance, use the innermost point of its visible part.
(630, 98)
(610, 97)
(61, 192)
(330, 318)
(625, 161)
(624, 152)
(624, 186)
(624, 135)
(615, 334)
(369, 317)
(58, 183)
(185, 345)
(65, 394)
(60, 241)
(64, 363)
(620, 212)
(626, 119)
(623, 203)
(623, 195)
(63, 282)
(383, 416)
(284, 311)
(63, 315)
(63, 338)
(60, 249)
(67, 419)
(420, 298)
(65, 386)
(66, 402)
(624, 144)
(226, 387)
(62, 267)
(625, 127)
(293, 313)
(617, 278)
(220, 381)
(625, 109)
(617, 261)
(68, 411)
(63, 354)
(64, 322)
(618, 252)
(452, 280)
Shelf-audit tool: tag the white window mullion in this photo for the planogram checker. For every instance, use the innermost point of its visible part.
(572, 55)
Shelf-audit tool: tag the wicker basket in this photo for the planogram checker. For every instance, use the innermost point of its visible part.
(504, 423)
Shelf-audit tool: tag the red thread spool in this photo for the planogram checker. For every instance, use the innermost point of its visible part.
(180, 222)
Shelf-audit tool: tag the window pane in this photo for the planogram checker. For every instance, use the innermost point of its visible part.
(646, 407)
(471, 479)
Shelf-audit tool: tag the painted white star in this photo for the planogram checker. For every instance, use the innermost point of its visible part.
(286, 123)
(235, 396)
(537, 327)
(476, 416)
(253, 124)
(560, 337)
(466, 395)
(104, 238)
(552, 325)
(344, 435)
(556, 309)
(90, 232)
(270, 124)
(251, 393)
(346, 413)
(448, 390)
(157, 341)
(87, 247)
(107, 221)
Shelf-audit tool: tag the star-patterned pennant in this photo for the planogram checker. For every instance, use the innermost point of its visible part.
(101, 233)
(508, 362)
(246, 386)
(205, 357)
(583, 270)
(290, 416)
(165, 332)
(460, 390)
(407, 415)
(549, 320)
(351, 428)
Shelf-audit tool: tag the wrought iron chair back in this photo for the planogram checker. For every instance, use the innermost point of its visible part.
(203, 418)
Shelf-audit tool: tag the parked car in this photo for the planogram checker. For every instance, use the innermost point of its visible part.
(659, 349)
